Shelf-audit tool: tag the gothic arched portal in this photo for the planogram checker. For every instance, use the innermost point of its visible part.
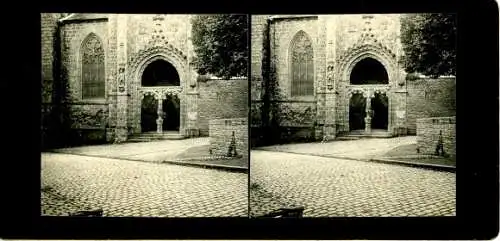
(369, 71)
(160, 73)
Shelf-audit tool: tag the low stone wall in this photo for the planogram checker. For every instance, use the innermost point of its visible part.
(221, 133)
(428, 131)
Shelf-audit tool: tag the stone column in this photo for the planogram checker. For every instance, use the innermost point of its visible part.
(329, 131)
(159, 120)
(122, 95)
(368, 118)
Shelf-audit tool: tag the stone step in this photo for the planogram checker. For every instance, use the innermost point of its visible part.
(146, 137)
(360, 135)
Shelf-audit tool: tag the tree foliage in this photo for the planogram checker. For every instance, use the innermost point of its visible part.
(429, 43)
(221, 44)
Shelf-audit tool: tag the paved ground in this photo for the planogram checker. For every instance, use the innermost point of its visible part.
(154, 151)
(193, 151)
(339, 187)
(363, 148)
(129, 188)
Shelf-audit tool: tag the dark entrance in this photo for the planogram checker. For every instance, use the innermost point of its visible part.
(380, 107)
(357, 112)
(160, 73)
(369, 71)
(149, 113)
(171, 112)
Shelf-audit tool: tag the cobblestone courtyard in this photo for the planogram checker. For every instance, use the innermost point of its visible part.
(339, 187)
(129, 188)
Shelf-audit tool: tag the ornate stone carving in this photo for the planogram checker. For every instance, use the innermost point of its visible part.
(367, 91)
(121, 79)
(84, 118)
(352, 91)
(293, 116)
(160, 92)
(367, 43)
(166, 49)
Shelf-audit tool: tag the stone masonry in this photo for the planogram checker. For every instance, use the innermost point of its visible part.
(221, 98)
(339, 43)
(130, 43)
(428, 134)
(221, 136)
(430, 98)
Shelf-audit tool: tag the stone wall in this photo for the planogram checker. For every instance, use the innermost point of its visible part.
(221, 134)
(48, 33)
(428, 130)
(335, 40)
(89, 118)
(430, 98)
(282, 33)
(220, 99)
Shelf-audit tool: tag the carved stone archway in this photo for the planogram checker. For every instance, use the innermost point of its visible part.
(138, 64)
(367, 46)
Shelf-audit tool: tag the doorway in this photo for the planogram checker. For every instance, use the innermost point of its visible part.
(380, 111)
(171, 113)
(357, 112)
(149, 113)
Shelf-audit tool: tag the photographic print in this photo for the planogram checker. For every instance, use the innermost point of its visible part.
(144, 115)
(353, 115)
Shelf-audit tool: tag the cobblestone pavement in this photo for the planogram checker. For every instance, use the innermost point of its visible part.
(154, 151)
(363, 148)
(337, 187)
(129, 188)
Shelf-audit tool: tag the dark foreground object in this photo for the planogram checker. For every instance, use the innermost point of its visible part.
(88, 213)
(286, 213)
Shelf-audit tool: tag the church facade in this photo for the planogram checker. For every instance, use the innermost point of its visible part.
(332, 75)
(126, 74)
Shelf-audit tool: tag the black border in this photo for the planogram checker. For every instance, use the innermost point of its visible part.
(477, 132)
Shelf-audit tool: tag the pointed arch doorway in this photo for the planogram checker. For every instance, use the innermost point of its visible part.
(369, 105)
(160, 109)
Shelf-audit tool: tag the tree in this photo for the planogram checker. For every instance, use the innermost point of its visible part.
(429, 43)
(221, 44)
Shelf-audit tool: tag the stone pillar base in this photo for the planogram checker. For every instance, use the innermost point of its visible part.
(368, 125)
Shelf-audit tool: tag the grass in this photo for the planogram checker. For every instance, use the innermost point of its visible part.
(436, 161)
(195, 152)
(410, 150)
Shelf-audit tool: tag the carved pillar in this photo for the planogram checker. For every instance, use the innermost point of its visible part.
(122, 95)
(368, 118)
(329, 131)
(159, 120)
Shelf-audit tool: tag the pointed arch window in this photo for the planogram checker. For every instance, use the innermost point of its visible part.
(302, 65)
(93, 77)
